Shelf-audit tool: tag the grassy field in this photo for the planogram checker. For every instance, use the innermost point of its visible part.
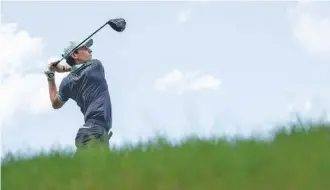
(298, 160)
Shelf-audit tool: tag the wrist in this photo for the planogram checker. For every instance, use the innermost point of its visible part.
(63, 68)
(51, 77)
(60, 68)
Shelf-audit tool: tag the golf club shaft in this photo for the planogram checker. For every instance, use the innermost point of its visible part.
(57, 62)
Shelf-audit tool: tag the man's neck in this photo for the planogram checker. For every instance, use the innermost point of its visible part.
(76, 66)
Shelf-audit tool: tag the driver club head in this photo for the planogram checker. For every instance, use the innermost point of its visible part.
(118, 24)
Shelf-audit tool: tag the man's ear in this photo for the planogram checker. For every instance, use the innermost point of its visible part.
(74, 55)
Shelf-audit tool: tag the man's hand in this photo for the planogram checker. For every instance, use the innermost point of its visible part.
(58, 68)
(50, 74)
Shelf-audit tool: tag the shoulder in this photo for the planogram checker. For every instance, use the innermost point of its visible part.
(96, 61)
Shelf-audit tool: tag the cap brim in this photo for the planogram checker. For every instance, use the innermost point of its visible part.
(89, 43)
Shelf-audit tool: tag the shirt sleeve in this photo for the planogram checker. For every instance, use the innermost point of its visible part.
(64, 91)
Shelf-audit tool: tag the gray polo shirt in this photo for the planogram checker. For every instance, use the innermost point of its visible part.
(87, 86)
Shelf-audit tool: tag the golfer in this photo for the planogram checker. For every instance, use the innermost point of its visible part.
(87, 86)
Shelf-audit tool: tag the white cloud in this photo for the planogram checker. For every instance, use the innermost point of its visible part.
(180, 82)
(311, 26)
(20, 89)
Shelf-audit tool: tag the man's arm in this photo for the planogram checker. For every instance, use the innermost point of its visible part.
(56, 102)
(57, 98)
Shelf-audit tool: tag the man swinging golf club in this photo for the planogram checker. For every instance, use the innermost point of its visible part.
(87, 86)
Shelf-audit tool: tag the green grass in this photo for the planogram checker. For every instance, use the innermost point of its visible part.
(296, 160)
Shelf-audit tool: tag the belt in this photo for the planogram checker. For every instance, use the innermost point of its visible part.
(98, 122)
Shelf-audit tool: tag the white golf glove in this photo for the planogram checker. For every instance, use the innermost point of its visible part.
(50, 74)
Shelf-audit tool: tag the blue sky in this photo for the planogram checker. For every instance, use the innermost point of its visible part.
(180, 68)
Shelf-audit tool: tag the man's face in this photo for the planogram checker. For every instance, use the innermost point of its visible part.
(82, 54)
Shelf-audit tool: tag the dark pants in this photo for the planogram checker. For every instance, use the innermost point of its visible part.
(92, 133)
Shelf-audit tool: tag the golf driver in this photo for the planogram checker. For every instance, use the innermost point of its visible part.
(118, 24)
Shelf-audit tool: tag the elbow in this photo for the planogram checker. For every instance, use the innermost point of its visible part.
(56, 103)
(56, 106)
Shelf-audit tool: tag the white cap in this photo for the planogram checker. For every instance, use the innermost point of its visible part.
(73, 45)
